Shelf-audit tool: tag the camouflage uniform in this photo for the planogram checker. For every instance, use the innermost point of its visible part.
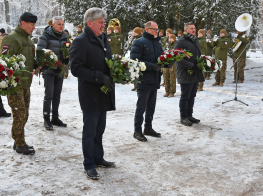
(203, 45)
(19, 42)
(113, 43)
(222, 46)
(119, 43)
(170, 75)
(242, 60)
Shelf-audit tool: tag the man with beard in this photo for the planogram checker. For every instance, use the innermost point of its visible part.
(147, 49)
(188, 82)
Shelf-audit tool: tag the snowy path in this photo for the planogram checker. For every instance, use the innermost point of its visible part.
(220, 156)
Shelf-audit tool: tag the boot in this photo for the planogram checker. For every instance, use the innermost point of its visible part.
(221, 84)
(92, 174)
(47, 123)
(134, 89)
(171, 95)
(193, 120)
(139, 136)
(151, 132)
(207, 77)
(5, 114)
(240, 81)
(216, 84)
(25, 150)
(200, 89)
(166, 94)
(234, 81)
(186, 122)
(163, 84)
(106, 164)
(58, 122)
(14, 146)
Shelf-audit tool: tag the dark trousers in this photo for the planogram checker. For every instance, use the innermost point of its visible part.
(53, 87)
(2, 109)
(146, 103)
(188, 94)
(93, 129)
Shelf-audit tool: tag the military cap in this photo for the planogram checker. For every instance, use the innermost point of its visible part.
(28, 17)
(223, 31)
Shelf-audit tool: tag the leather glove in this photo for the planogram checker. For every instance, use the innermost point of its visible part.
(156, 67)
(108, 82)
(170, 64)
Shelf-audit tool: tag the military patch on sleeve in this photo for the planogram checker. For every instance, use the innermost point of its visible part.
(5, 49)
(225, 43)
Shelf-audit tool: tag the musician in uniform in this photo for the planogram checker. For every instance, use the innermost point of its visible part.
(238, 49)
(222, 45)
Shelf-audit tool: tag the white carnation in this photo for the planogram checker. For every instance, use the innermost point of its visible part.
(208, 63)
(51, 56)
(22, 64)
(3, 84)
(216, 67)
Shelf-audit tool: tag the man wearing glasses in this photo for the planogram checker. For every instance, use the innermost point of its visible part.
(147, 49)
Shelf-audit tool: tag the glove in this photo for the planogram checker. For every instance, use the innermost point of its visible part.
(156, 67)
(107, 81)
(170, 64)
(215, 38)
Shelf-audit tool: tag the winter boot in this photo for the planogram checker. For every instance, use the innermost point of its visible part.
(186, 122)
(25, 150)
(221, 84)
(216, 84)
(47, 123)
(14, 146)
(92, 174)
(58, 122)
(200, 89)
(193, 120)
(139, 136)
(166, 95)
(151, 132)
(171, 95)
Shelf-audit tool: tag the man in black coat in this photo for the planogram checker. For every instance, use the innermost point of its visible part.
(53, 39)
(87, 60)
(188, 82)
(147, 49)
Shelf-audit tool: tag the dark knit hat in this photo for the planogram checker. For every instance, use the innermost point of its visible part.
(210, 32)
(223, 31)
(2, 30)
(169, 31)
(172, 36)
(118, 28)
(28, 17)
(202, 31)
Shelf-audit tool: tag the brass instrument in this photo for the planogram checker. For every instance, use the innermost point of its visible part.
(114, 23)
(242, 24)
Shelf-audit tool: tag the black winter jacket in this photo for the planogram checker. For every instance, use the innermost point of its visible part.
(183, 77)
(87, 60)
(48, 40)
(147, 49)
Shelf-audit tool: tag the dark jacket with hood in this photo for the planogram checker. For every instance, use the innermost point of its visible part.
(147, 49)
(49, 40)
(191, 44)
(87, 55)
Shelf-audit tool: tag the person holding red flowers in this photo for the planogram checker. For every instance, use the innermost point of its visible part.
(169, 74)
(188, 82)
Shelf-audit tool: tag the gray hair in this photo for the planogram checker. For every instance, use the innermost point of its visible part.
(186, 25)
(55, 18)
(93, 14)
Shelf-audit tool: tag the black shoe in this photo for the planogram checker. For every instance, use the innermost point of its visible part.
(58, 122)
(5, 115)
(193, 120)
(25, 150)
(106, 164)
(139, 136)
(151, 132)
(14, 146)
(92, 174)
(47, 123)
(186, 122)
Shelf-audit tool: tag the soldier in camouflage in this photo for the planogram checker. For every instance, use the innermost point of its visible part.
(170, 73)
(19, 42)
(222, 45)
(209, 51)
(203, 45)
(120, 40)
(112, 40)
(242, 59)
(80, 27)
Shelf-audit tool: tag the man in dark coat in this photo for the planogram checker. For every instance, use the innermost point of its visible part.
(147, 49)
(53, 39)
(87, 60)
(188, 82)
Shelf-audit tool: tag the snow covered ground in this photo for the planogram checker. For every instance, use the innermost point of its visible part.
(220, 156)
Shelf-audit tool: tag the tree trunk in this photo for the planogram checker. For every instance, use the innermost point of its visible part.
(7, 16)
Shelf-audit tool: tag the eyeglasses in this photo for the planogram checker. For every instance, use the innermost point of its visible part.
(154, 29)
